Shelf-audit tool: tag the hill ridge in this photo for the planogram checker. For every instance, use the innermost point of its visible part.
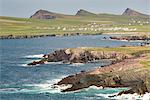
(131, 12)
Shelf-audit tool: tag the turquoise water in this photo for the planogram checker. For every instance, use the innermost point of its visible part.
(20, 82)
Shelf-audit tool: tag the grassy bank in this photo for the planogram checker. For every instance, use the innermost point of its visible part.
(101, 24)
(137, 50)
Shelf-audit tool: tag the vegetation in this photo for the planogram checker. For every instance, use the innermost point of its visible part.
(73, 24)
(146, 64)
(137, 50)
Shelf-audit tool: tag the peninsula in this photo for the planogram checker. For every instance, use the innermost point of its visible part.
(130, 67)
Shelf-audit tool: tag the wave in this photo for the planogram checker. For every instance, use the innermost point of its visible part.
(53, 63)
(77, 64)
(134, 96)
(45, 87)
(25, 64)
(35, 56)
(48, 87)
(94, 87)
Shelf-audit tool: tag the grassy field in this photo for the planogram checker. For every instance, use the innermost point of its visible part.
(100, 24)
(128, 50)
(146, 64)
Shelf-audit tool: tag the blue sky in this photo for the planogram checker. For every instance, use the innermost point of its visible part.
(25, 8)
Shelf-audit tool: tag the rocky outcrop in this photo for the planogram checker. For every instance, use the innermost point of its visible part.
(131, 37)
(145, 39)
(130, 12)
(128, 73)
(80, 55)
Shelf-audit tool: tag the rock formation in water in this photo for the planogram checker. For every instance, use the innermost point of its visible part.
(128, 70)
(80, 55)
(128, 73)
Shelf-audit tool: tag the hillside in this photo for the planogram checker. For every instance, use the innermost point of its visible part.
(44, 14)
(83, 22)
(130, 12)
(82, 12)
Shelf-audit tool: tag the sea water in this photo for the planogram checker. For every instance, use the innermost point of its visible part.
(21, 82)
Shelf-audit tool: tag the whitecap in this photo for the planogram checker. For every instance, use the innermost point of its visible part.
(44, 87)
(77, 64)
(126, 96)
(53, 63)
(25, 64)
(94, 87)
(106, 95)
(48, 87)
(146, 96)
(35, 56)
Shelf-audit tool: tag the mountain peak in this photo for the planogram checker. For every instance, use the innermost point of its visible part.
(83, 12)
(44, 14)
(131, 12)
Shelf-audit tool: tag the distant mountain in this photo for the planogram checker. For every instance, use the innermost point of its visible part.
(43, 14)
(82, 12)
(130, 12)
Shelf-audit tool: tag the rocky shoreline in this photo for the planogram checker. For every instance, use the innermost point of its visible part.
(129, 38)
(128, 73)
(80, 55)
(126, 69)
(144, 38)
(41, 36)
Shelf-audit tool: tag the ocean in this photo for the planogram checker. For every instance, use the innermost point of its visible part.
(21, 82)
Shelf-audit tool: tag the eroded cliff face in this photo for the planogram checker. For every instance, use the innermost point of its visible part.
(128, 73)
(80, 56)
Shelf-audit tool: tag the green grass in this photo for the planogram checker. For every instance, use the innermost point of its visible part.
(146, 64)
(25, 26)
(128, 50)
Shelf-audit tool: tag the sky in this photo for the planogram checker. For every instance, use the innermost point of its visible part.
(26, 8)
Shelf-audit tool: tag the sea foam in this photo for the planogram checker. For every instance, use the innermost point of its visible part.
(35, 56)
(126, 96)
(48, 87)
(77, 64)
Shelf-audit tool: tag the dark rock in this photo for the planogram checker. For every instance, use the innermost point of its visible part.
(130, 38)
(81, 56)
(36, 63)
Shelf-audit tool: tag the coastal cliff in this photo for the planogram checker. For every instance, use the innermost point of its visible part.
(128, 73)
(130, 68)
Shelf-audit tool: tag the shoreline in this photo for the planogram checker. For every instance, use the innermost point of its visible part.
(49, 35)
(130, 69)
(116, 75)
(71, 34)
